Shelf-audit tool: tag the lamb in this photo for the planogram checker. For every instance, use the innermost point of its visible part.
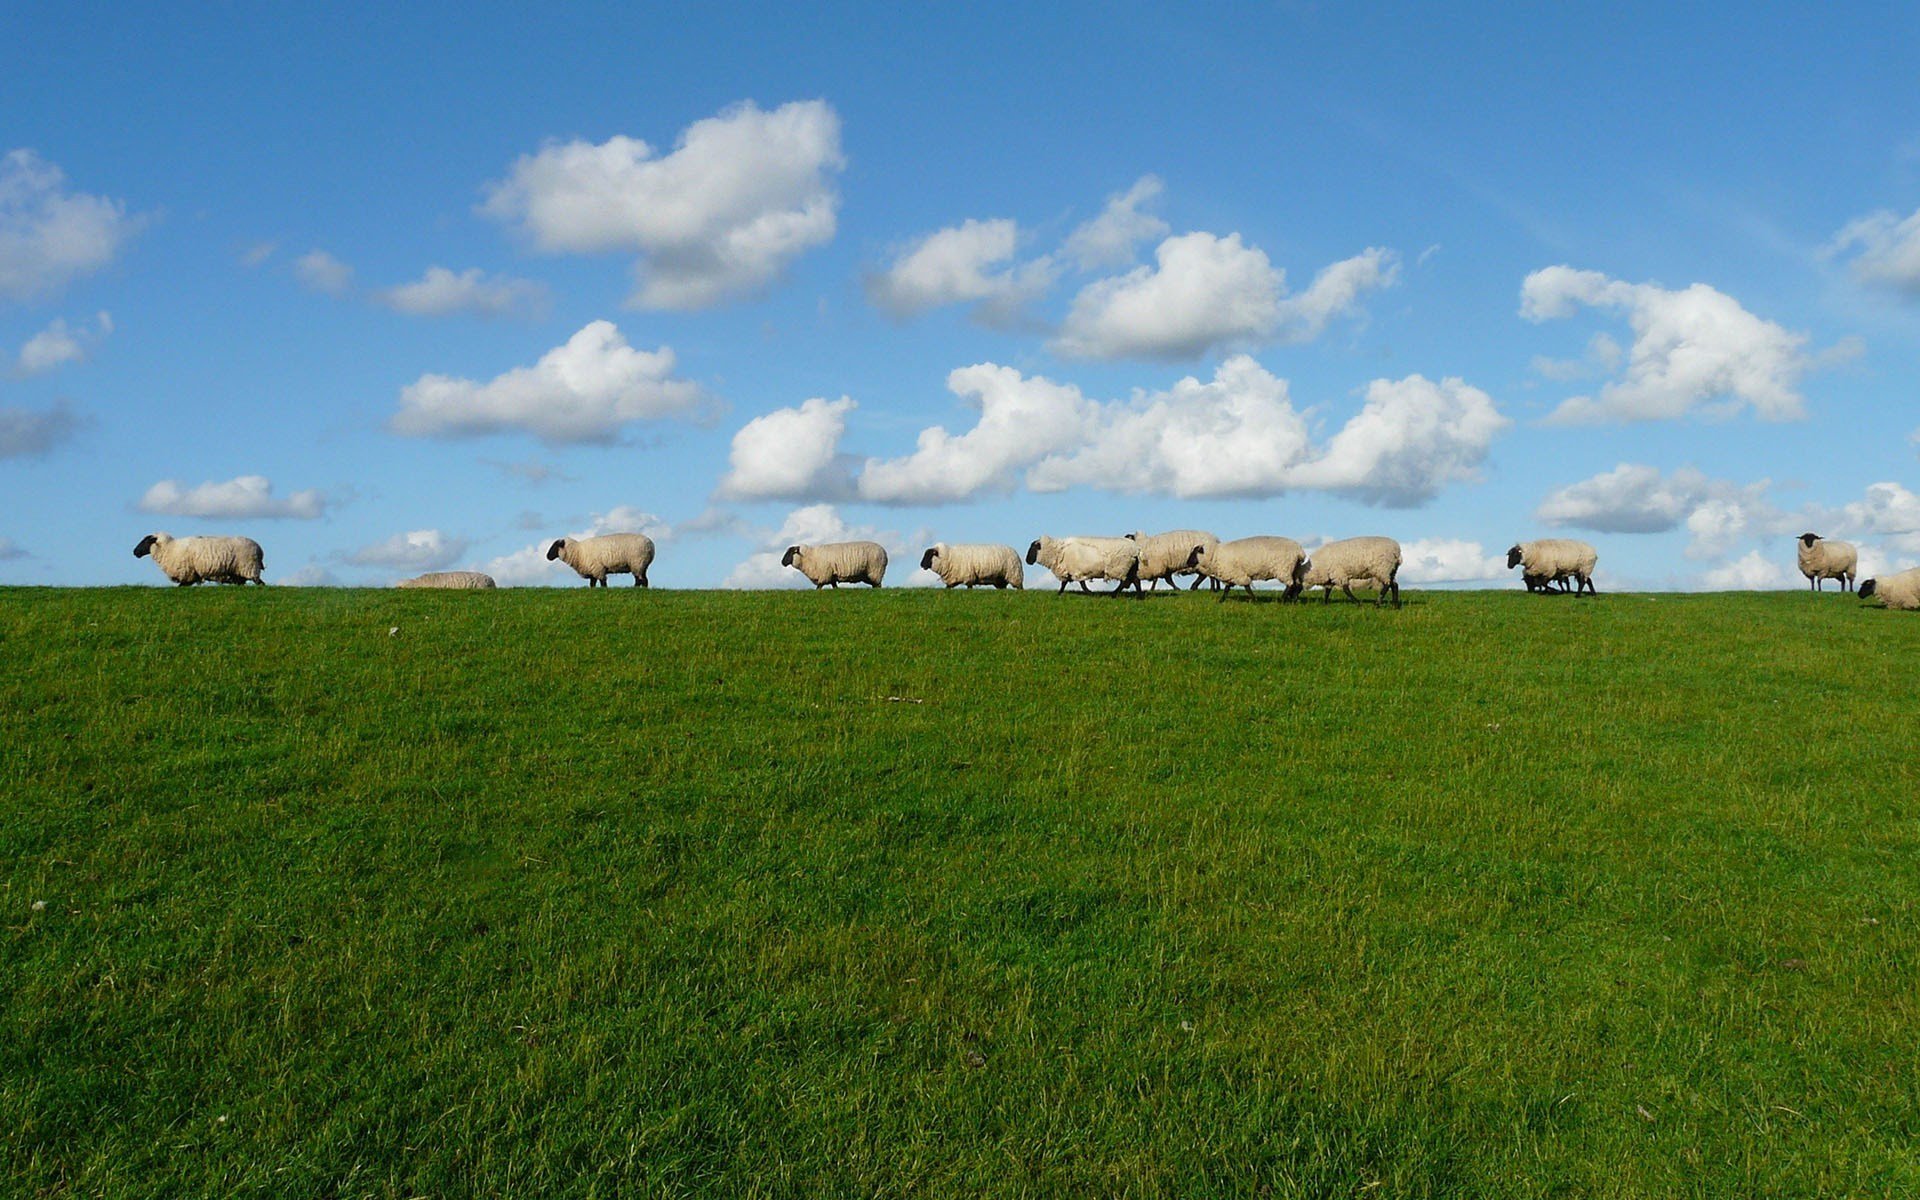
(1078, 559)
(835, 563)
(1164, 555)
(1240, 562)
(595, 558)
(189, 560)
(459, 580)
(1342, 564)
(975, 564)
(1821, 560)
(1895, 591)
(1551, 560)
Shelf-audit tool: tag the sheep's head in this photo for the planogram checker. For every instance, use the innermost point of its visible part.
(1868, 587)
(1808, 539)
(1135, 536)
(926, 560)
(793, 552)
(1513, 557)
(1033, 552)
(146, 545)
(553, 551)
(1193, 559)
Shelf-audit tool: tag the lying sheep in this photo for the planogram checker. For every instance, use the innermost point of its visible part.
(1895, 591)
(974, 564)
(1374, 560)
(1078, 559)
(595, 558)
(835, 563)
(1164, 555)
(1240, 562)
(1554, 560)
(1821, 560)
(459, 580)
(190, 560)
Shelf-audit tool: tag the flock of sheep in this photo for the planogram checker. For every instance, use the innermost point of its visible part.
(1138, 560)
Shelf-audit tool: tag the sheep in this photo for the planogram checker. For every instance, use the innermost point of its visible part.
(1078, 559)
(459, 580)
(595, 558)
(835, 563)
(1164, 555)
(189, 560)
(1821, 560)
(1551, 560)
(1895, 591)
(1240, 562)
(1342, 564)
(975, 564)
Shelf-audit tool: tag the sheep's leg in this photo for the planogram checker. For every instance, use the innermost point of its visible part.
(1063, 588)
(1348, 589)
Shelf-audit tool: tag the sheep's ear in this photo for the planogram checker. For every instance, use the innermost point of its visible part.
(553, 551)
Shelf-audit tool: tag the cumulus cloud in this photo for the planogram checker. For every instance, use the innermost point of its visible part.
(791, 454)
(441, 292)
(1412, 438)
(26, 432)
(1889, 511)
(971, 263)
(741, 195)
(1207, 293)
(322, 272)
(248, 497)
(1112, 238)
(1021, 420)
(817, 523)
(415, 550)
(1886, 250)
(50, 236)
(1694, 350)
(311, 575)
(1752, 571)
(1449, 560)
(583, 391)
(60, 344)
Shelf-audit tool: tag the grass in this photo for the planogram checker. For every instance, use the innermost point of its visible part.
(349, 893)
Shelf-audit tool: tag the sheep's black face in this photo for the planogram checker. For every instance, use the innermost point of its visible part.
(1033, 552)
(1808, 539)
(793, 552)
(1868, 588)
(553, 551)
(926, 560)
(1193, 560)
(1513, 558)
(144, 548)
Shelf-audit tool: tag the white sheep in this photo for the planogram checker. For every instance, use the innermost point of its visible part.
(1821, 560)
(1241, 562)
(1895, 591)
(595, 558)
(974, 564)
(1078, 559)
(1554, 560)
(1364, 560)
(835, 563)
(189, 560)
(1165, 555)
(457, 580)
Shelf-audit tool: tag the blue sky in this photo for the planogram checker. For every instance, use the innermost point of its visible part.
(401, 290)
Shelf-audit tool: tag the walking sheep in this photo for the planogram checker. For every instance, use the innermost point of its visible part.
(1374, 560)
(1164, 555)
(1821, 560)
(1551, 560)
(458, 580)
(1895, 591)
(835, 563)
(1241, 562)
(190, 560)
(1078, 559)
(595, 558)
(974, 564)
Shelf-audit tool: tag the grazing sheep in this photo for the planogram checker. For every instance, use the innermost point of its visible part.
(1342, 564)
(457, 580)
(1240, 562)
(975, 564)
(835, 563)
(1552, 560)
(189, 560)
(1821, 560)
(1164, 555)
(1078, 559)
(595, 558)
(1895, 591)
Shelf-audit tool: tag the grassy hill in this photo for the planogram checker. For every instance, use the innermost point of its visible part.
(625, 893)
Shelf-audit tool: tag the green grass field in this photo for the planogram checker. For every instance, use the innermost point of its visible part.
(619, 893)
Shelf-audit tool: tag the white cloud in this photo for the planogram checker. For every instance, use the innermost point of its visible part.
(441, 292)
(1889, 511)
(257, 254)
(311, 575)
(1634, 498)
(741, 195)
(322, 272)
(823, 523)
(1602, 358)
(1752, 571)
(26, 432)
(1021, 420)
(248, 497)
(60, 344)
(1695, 349)
(1888, 250)
(1412, 438)
(1207, 293)
(50, 236)
(1112, 238)
(583, 391)
(791, 454)
(415, 550)
(970, 263)
(1448, 560)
